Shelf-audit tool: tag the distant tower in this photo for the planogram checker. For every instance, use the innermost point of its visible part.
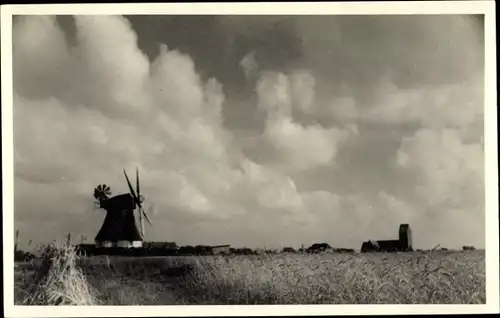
(405, 241)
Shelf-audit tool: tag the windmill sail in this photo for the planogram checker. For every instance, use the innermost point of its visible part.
(147, 218)
(136, 195)
(139, 200)
(132, 192)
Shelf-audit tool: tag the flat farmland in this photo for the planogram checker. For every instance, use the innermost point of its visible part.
(437, 277)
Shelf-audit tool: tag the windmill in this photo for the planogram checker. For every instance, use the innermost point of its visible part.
(138, 199)
(119, 228)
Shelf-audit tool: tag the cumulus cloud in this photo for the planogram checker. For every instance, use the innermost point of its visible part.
(451, 180)
(302, 86)
(48, 73)
(450, 105)
(249, 64)
(89, 104)
(305, 147)
(300, 146)
(343, 109)
(445, 154)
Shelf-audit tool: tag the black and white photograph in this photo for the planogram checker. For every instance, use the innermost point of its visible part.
(204, 158)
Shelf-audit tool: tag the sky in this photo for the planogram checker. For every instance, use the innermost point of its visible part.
(257, 131)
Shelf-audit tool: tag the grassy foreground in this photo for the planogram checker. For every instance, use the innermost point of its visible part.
(437, 277)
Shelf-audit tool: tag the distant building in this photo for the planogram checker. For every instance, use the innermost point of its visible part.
(343, 250)
(186, 250)
(288, 250)
(203, 250)
(404, 243)
(241, 251)
(221, 249)
(389, 245)
(318, 247)
(161, 245)
(370, 246)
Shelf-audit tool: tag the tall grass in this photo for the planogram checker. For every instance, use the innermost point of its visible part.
(380, 278)
(328, 278)
(57, 280)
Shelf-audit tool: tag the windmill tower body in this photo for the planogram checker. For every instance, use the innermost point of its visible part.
(119, 228)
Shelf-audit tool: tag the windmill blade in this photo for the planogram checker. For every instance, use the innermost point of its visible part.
(130, 187)
(141, 221)
(106, 189)
(147, 218)
(138, 221)
(138, 188)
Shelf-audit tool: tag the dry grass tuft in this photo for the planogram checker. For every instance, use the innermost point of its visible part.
(56, 279)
